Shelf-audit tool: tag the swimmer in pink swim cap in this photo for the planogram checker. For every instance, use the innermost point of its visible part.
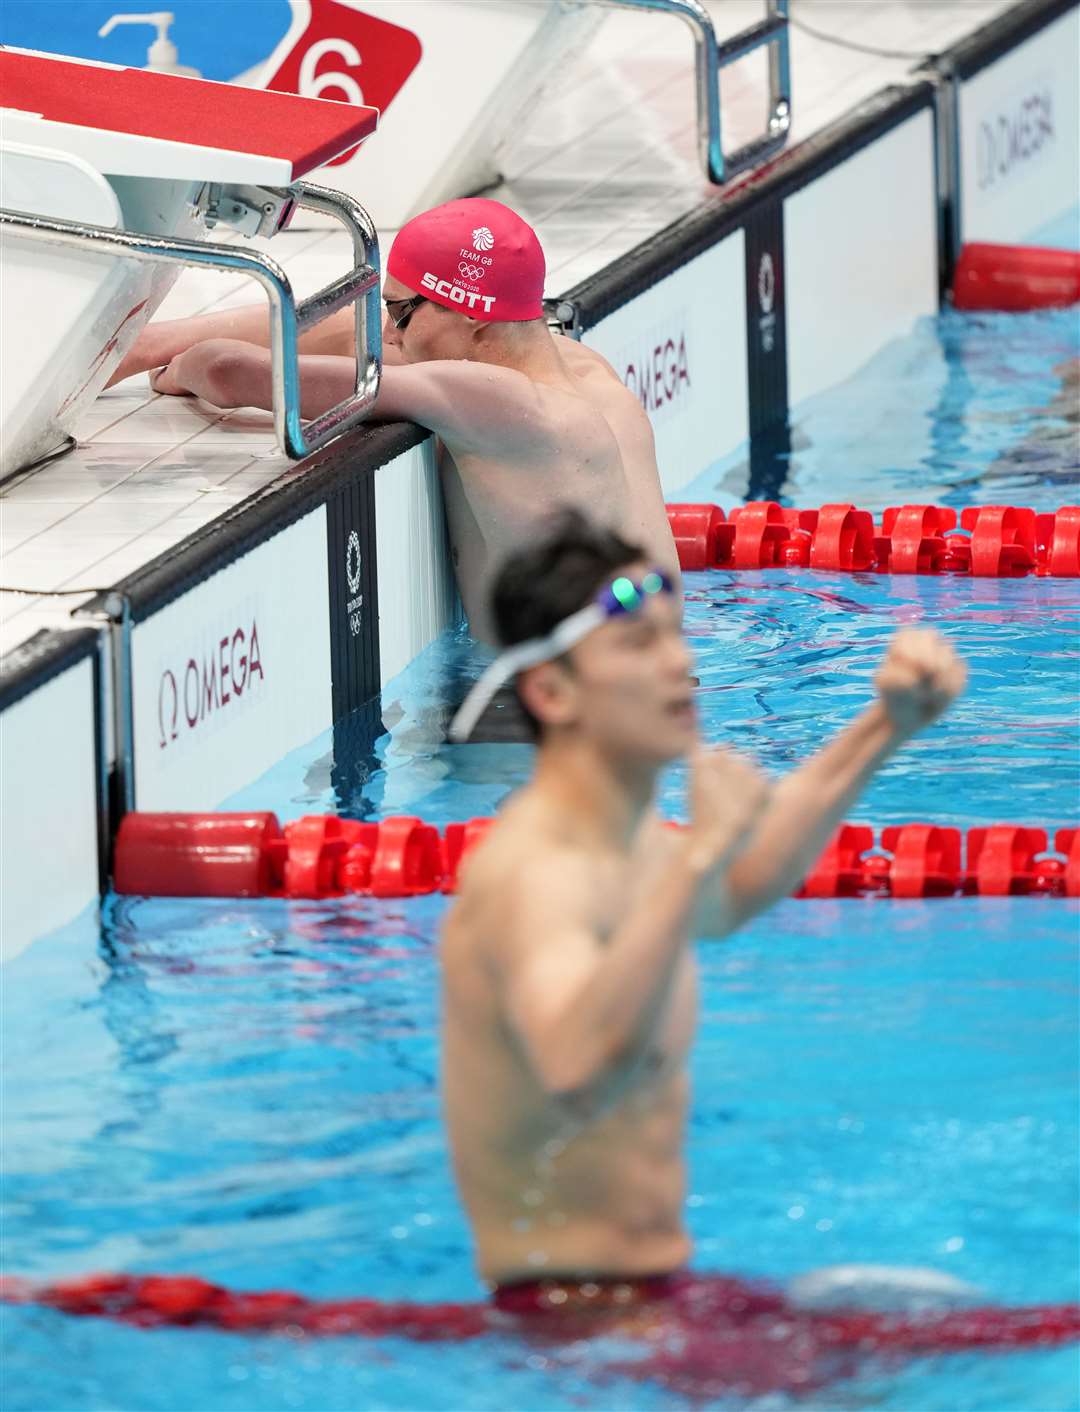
(526, 420)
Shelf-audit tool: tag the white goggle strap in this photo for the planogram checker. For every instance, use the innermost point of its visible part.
(518, 659)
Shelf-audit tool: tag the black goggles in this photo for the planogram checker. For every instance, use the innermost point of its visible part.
(400, 311)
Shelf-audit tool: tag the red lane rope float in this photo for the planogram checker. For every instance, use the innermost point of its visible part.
(250, 855)
(1013, 278)
(985, 541)
(730, 1332)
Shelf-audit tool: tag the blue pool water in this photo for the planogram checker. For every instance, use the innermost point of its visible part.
(246, 1091)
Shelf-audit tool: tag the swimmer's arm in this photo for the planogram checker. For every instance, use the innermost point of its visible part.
(228, 373)
(475, 408)
(920, 677)
(489, 412)
(159, 343)
(585, 1008)
(806, 808)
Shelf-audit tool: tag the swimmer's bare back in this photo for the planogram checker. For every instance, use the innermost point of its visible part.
(515, 443)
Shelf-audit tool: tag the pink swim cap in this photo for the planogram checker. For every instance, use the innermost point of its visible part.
(473, 255)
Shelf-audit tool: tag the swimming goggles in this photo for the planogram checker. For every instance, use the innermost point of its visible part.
(406, 308)
(622, 595)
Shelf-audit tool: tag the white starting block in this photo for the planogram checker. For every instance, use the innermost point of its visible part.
(110, 179)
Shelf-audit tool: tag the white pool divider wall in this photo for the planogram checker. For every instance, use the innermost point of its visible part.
(234, 673)
(417, 593)
(51, 783)
(336, 579)
(856, 239)
(1019, 126)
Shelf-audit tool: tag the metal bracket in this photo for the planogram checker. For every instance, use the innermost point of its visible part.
(563, 317)
(710, 57)
(288, 319)
(252, 210)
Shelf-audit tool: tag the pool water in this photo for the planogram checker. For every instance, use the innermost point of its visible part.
(247, 1091)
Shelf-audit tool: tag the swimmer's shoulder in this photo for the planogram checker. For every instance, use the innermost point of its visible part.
(517, 863)
(583, 361)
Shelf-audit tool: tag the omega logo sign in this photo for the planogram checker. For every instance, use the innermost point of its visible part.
(352, 574)
(209, 683)
(657, 378)
(1015, 136)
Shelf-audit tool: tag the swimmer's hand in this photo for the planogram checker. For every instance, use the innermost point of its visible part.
(919, 679)
(728, 795)
(167, 380)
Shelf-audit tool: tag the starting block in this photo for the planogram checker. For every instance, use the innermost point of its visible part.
(112, 180)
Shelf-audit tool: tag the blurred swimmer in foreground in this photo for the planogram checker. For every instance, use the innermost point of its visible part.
(525, 420)
(569, 979)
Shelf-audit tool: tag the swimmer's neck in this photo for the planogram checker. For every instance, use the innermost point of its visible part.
(530, 350)
(603, 797)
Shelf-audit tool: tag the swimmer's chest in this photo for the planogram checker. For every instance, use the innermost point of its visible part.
(613, 902)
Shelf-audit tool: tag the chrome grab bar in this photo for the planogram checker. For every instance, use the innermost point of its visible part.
(287, 318)
(710, 57)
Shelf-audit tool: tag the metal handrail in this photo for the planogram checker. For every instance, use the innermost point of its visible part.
(287, 318)
(710, 57)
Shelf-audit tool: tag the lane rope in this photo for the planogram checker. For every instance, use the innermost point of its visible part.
(322, 855)
(984, 541)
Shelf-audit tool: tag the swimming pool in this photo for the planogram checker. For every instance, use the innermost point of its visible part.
(246, 1091)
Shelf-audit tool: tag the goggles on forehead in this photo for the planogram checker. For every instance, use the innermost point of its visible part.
(622, 595)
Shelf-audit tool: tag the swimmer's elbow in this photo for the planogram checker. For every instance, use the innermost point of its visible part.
(230, 378)
(578, 1084)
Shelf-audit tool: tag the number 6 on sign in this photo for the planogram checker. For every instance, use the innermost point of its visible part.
(313, 85)
(336, 34)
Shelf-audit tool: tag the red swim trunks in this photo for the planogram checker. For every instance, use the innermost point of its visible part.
(698, 1334)
(704, 1335)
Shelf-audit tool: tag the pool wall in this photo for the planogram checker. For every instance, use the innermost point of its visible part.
(289, 613)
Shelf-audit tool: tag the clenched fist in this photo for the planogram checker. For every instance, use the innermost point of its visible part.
(919, 679)
(727, 796)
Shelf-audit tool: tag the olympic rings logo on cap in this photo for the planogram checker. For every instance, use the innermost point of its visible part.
(473, 272)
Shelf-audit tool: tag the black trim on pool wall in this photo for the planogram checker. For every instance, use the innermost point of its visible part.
(354, 595)
(1003, 34)
(766, 350)
(35, 662)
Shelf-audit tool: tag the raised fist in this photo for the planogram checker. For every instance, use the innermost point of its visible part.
(919, 679)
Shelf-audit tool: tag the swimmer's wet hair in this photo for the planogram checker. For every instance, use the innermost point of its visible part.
(546, 581)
